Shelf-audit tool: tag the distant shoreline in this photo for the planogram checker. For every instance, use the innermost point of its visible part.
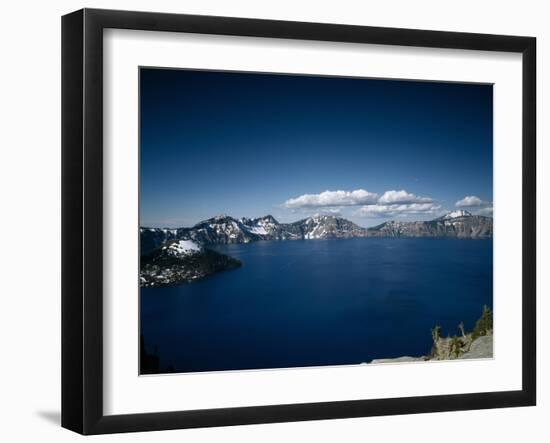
(223, 229)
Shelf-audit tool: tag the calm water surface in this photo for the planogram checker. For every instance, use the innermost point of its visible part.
(319, 302)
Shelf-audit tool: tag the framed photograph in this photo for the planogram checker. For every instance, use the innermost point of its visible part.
(269, 221)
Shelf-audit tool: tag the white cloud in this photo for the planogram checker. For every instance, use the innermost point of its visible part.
(470, 201)
(391, 204)
(476, 205)
(332, 198)
(403, 197)
(337, 212)
(357, 197)
(398, 210)
(330, 211)
(488, 211)
(394, 203)
(399, 204)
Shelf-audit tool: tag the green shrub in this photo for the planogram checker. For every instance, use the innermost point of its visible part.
(456, 345)
(484, 324)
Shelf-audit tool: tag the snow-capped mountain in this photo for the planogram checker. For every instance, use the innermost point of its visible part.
(329, 226)
(459, 223)
(456, 214)
(315, 227)
(224, 229)
(262, 226)
(221, 229)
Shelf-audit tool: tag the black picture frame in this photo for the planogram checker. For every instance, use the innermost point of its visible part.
(82, 215)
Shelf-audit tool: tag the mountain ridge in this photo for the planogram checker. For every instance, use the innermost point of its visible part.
(224, 229)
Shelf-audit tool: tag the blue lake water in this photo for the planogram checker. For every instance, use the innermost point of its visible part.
(319, 302)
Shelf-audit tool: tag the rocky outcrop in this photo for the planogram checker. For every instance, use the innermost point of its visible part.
(460, 224)
(463, 347)
(481, 347)
(473, 345)
(404, 359)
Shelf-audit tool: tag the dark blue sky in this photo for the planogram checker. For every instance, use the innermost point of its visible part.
(254, 144)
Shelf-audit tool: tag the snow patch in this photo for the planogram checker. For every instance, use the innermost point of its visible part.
(457, 213)
(182, 247)
(259, 230)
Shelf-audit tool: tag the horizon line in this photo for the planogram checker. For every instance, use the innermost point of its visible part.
(222, 215)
